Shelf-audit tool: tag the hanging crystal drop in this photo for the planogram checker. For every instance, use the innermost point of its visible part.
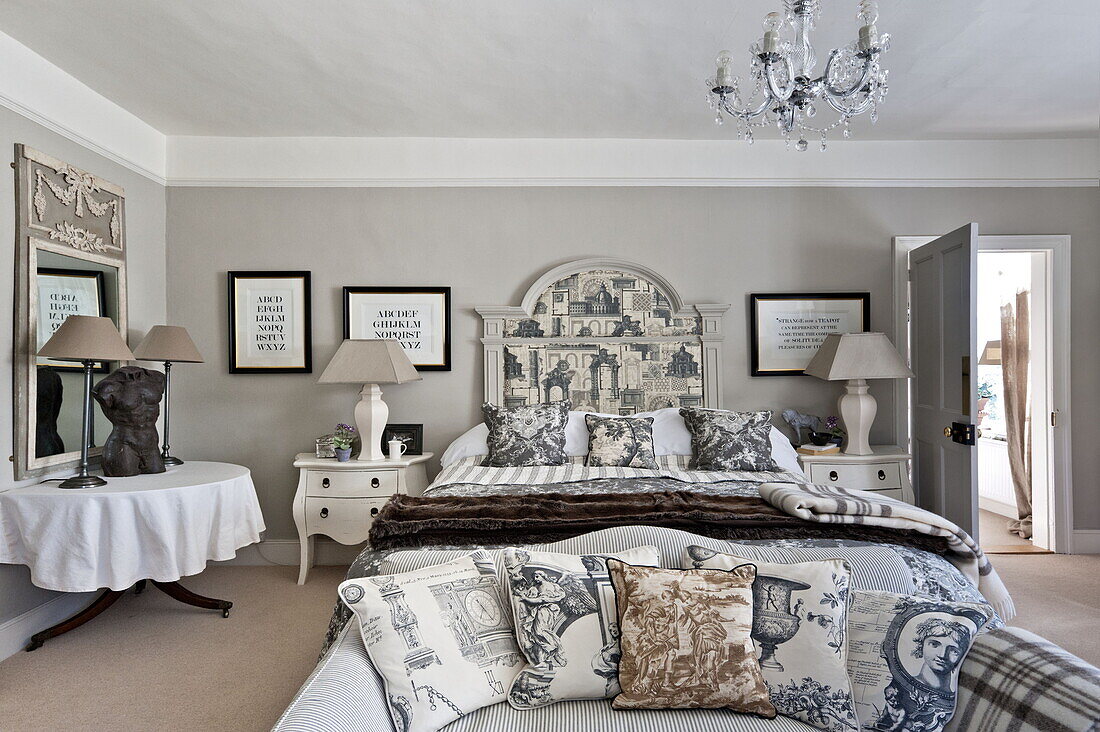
(874, 115)
(718, 118)
(801, 145)
(748, 137)
(822, 142)
(847, 129)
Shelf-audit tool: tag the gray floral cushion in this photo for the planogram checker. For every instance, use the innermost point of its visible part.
(722, 440)
(526, 436)
(620, 442)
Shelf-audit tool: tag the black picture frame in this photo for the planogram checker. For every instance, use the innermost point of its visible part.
(410, 434)
(864, 298)
(351, 291)
(307, 293)
(100, 367)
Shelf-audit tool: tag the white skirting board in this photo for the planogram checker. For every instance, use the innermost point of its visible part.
(1086, 541)
(285, 553)
(17, 632)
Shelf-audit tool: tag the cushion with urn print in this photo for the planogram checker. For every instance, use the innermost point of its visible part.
(723, 440)
(440, 637)
(526, 436)
(800, 624)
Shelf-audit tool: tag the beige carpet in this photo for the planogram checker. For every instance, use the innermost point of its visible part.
(149, 663)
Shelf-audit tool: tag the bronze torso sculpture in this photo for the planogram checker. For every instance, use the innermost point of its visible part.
(130, 397)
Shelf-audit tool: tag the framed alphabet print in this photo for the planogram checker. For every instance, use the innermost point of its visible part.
(787, 329)
(65, 292)
(270, 328)
(418, 317)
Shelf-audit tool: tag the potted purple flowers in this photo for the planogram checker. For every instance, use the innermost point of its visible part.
(342, 438)
(833, 433)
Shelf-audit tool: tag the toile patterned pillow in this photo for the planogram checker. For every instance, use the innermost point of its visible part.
(526, 436)
(685, 640)
(723, 440)
(620, 442)
(904, 658)
(566, 624)
(800, 625)
(440, 637)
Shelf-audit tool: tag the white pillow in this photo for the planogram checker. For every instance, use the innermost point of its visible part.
(441, 638)
(670, 437)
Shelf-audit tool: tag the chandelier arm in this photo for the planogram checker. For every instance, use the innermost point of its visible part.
(780, 95)
(849, 111)
(745, 114)
(832, 90)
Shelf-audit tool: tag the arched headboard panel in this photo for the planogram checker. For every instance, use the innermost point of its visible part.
(612, 335)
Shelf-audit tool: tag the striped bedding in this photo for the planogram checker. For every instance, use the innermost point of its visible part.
(1007, 670)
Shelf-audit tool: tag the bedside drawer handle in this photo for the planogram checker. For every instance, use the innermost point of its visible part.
(374, 482)
(833, 475)
(324, 512)
(374, 511)
(325, 483)
(882, 475)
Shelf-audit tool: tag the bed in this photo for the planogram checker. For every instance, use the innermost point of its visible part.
(614, 338)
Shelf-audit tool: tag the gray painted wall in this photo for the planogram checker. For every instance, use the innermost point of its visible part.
(714, 245)
(145, 224)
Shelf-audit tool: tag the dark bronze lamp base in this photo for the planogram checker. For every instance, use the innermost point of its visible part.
(82, 481)
(169, 461)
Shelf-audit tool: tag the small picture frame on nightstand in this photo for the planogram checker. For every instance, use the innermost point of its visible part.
(411, 434)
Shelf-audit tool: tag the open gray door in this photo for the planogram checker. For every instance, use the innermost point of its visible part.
(943, 333)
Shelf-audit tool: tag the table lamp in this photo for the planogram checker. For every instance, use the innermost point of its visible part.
(370, 362)
(86, 339)
(856, 357)
(168, 343)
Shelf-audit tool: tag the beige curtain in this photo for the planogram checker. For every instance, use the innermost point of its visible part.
(1015, 359)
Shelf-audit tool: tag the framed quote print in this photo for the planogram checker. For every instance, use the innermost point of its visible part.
(270, 329)
(65, 292)
(787, 329)
(418, 317)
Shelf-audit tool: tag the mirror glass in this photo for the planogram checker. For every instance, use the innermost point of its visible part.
(61, 286)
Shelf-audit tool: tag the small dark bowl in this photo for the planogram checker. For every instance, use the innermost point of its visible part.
(820, 438)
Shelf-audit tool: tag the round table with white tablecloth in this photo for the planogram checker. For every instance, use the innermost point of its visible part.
(158, 527)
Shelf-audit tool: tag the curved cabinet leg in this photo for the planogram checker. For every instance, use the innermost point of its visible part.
(306, 559)
(104, 601)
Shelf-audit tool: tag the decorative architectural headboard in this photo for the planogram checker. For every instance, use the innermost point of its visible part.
(610, 335)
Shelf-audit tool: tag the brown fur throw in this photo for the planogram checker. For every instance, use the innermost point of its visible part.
(537, 518)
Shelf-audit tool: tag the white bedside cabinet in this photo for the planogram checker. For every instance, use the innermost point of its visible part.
(340, 500)
(887, 471)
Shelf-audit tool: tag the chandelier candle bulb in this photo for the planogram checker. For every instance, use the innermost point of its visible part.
(724, 77)
(771, 41)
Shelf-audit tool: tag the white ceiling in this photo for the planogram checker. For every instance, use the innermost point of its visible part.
(555, 68)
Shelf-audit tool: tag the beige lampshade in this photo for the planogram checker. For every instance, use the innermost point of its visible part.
(991, 354)
(168, 343)
(86, 338)
(369, 362)
(858, 356)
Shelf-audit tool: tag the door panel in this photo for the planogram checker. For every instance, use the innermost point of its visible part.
(944, 330)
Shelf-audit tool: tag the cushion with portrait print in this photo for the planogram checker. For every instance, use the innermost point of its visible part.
(904, 655)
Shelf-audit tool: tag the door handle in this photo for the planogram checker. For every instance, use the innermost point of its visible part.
(833, 475)
(374, 511)
(374, 482)
(325, 483)
(324, 512)
(962, 433)
(882, 475)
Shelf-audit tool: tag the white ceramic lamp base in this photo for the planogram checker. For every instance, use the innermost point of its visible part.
(371, 415)
(857, 410)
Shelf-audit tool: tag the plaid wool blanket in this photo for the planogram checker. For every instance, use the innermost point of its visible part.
(829, 504)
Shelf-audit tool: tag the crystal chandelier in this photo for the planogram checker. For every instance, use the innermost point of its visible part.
(784, 90)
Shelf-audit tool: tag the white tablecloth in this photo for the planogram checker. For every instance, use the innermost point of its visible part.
(159, 527)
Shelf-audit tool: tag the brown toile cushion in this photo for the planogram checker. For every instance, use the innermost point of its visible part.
(685, 639)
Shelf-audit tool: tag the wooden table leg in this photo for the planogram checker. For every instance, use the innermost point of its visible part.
(101, 603)
(178, 592)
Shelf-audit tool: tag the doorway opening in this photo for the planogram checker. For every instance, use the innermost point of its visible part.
(1043, 270)
(1014, 400)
